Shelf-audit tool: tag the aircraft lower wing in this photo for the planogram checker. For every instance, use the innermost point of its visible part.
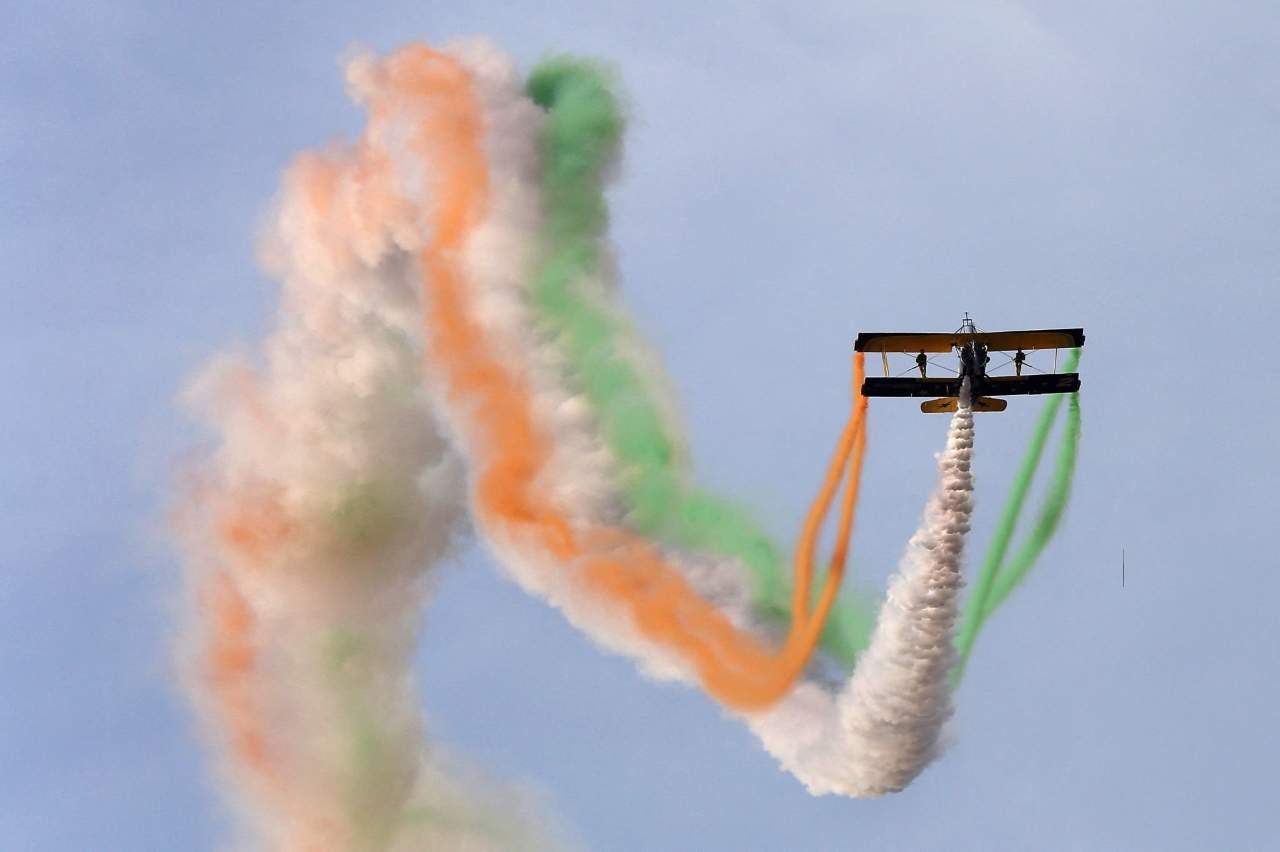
(989, 386)
(1038, 383)
(876, 386)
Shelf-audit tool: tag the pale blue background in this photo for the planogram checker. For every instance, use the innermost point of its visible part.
(795, 173)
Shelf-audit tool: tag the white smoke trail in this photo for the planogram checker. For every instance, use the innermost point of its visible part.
(580, 480)
(883, 728)
(311, 531)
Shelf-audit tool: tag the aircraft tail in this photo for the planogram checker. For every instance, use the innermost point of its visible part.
(949, 404)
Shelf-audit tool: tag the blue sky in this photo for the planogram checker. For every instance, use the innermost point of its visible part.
(794, 174)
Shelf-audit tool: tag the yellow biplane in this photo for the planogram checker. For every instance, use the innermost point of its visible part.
(974, 348)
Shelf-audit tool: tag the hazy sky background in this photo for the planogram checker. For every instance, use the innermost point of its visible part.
(795, 173)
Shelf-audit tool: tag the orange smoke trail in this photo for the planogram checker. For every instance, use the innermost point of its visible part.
(733, 666)
(852, 443)
(253, 530)
(231, 660)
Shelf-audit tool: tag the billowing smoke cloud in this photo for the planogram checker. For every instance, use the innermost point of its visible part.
(607, 578)
(312, 528)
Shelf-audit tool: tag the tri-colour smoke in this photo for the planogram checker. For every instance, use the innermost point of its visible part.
(451, 344)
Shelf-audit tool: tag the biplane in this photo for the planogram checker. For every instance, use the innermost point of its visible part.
(974, 348)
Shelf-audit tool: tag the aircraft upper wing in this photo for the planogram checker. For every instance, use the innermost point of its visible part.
(1048, 338)
(892, 341)
(1000, 341)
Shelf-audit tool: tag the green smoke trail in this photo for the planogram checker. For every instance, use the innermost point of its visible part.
(365, 515)
(1050, 514)
(579, 142)
(982, 602)
(370, 747)
(375, 787)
